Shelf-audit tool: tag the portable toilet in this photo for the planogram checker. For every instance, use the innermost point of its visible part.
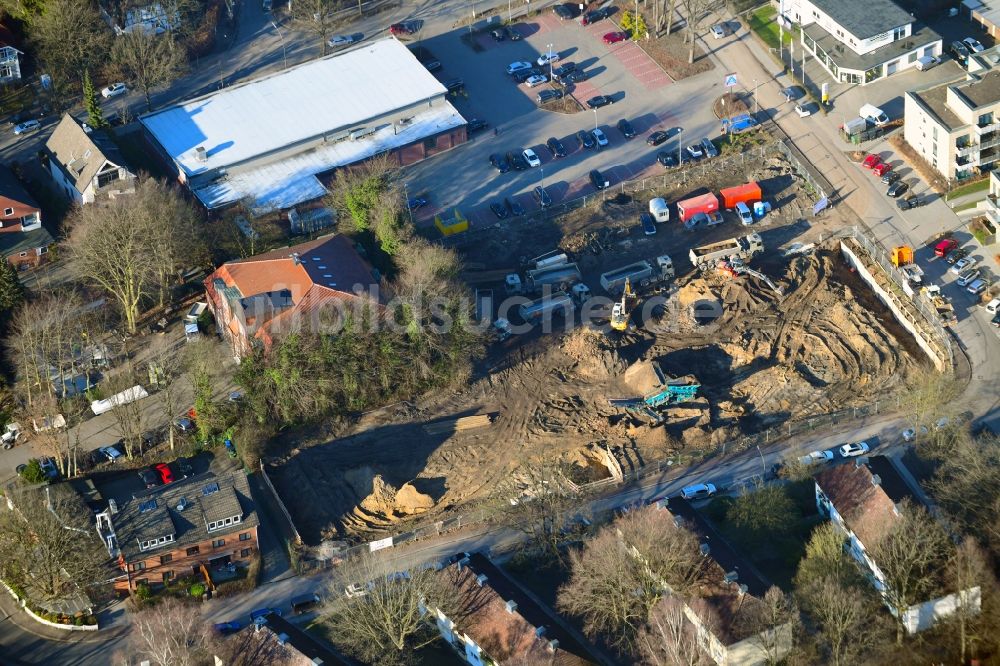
(658, 207)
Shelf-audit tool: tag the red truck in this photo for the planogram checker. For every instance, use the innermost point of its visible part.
(746, 193)
(945, 246)
(706, 203)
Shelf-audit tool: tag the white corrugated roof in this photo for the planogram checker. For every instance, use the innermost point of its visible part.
(286, 183)
(300, 103)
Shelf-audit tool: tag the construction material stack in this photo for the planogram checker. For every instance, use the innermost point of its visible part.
(657, 391)
(707, 257)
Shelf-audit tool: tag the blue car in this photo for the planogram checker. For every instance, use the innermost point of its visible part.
(648, 224)
(226, 628)
(416, 202)
(261, 612)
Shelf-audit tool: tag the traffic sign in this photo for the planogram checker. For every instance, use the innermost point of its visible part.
(731, 80)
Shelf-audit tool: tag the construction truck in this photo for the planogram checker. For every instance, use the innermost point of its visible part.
(941, 304)
(734, 267)
(553, 269)
(902, 258)
(546, 306)
(641, 274)
(707, 257)
(621, 310)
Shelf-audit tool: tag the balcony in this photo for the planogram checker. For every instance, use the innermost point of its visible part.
(986, 129)
(966, 149)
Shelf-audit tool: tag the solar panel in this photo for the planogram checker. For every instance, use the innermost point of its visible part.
(148, 505)
(210, 488)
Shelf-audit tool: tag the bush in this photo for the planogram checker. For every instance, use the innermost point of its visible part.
(197, 590)
(143, 592)
(78, 621)
(90, 620)
(33, 472)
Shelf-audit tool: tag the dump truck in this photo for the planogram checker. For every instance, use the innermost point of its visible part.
(641, 274)
(941, 304)
(746, 193)
(705, 203)
(560, 302)
(558, 276)
(707, 256)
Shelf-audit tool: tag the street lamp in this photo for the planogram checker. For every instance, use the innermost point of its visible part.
(762, 465)
(550, 61)
(284, 52)
(755, 97)
(680, 147)
(406, 196)
(595, 118)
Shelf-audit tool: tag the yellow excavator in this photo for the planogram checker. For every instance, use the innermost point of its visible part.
(621, 310)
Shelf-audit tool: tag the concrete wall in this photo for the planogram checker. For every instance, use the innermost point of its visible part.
(923, 616)
(890, 301)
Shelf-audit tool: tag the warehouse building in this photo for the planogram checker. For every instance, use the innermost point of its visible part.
(268, 140)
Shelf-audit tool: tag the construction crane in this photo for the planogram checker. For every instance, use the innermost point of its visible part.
(621, 310)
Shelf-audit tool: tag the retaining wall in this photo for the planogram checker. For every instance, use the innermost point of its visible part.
(41, 620)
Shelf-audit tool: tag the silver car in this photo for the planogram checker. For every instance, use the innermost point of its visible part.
(27, 126)
(968, 276)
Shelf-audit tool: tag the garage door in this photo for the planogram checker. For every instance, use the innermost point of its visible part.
(890, 69)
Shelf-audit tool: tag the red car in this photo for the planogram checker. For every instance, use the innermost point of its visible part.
(872, 161)
(945, 246)
(881, 169)
(615, 37)
(166, 476)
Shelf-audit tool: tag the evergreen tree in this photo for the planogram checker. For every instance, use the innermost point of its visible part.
(11, 289)
(91, 102)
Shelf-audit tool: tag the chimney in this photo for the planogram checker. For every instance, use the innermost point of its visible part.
(511, 606)
(201, 154)
(731, 577)
(742, 589)
(876, 480)
(282, 639)
(539, 631)
(705, 549)
(553, 645)
(481, 578)
(113, 505)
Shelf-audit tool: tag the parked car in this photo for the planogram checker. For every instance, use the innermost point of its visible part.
(968, 277)
(963, 264)
(960, 52)
(599, 137)
(718, 31)
(599, 101)
(184, 424)
(548, 95)
(855, 449)
(499, 210)
(909, 202)
(110, 453)
(536, 80)
(564, 70)
(261, 612)
(881, 169)
(565, 12)
(542, 197)
(598, 179)
(546, 58)
(977, 287)
(698, 491)
(625, 127)
(517, 161)
(514, 207)
(114, 90)
(667, 158)
(26, 127)
(709, 148)
(803, 111)
(871, 161)
(897, 188)
(163, 469)
(792, 93)
(556, 147)
(304, 603)
(694, 150)
(518, 66)
(595, 15)
(910, 434)
(413, 203)
(648, 223)
(340, 41)
(956, 254)
(406, 27)
(499, 163)
(586, 139)
(49, 468)
(996, 320)
(973, 45)
(891, 177)
(993, 306)
(475, 125)
(944, 246)
(656, 138)
(525, 74)
(816, 457)
(577, 76)
(226, 628)
(615, 37)
(513, 34)
(149, 477)
(704, 220)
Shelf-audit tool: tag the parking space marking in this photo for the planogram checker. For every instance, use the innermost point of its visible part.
(548, 23)
(640, 65)
(583, 91)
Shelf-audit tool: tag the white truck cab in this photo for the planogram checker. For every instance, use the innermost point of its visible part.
(873, 114)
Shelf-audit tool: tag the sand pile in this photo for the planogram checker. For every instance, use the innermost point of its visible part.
(592, 353)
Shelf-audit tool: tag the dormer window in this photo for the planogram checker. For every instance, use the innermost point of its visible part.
(225, 522)
(7, 212)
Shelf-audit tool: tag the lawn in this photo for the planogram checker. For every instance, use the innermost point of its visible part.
(972, 188)
(764, 23)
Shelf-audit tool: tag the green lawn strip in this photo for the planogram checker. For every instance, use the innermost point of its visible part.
(962, 190)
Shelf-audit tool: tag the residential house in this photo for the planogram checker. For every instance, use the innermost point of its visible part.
(504, 624)
(23, 240)
(956, 126)
(86, 163)
(253, 300)
(862, 500)
(151, 18)
(10, 58)
(732, 592)
(860, 41)
(285, 644)
(197, 526)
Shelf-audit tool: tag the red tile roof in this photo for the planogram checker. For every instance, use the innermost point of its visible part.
(865, 507)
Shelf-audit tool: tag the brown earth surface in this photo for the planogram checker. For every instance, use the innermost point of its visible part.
(825, 344)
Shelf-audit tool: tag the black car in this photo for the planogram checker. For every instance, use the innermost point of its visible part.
(657, 137)
(499, 163)
(907, 203)
(517, 161)
(596, 15)
(548, 94)
(515, 208)
(565, 12)
(525, 74)
(890, 177)
(625, 127)
(556, 147)
(565, 69)
(956, 254)
(432, 65)
(586, 139)
(475, 125)
(960, 51)
(542, 197)
(499, 210)
(149, 477)
(667, 158)
(499, 35)
(454, 85)
(512, 33)
(578, 76)
(897, 188)
(599, 101)
(598, 179)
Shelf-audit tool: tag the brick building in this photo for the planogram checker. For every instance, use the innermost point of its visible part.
(192, 527)
(24, 242)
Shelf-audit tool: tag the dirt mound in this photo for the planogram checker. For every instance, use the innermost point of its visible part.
(410, 501)
(593, 354)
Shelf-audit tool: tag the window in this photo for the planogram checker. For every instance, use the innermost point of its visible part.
(138, 566)
(212, 526)
(218, 543)
(899, 33)
(246, 552)
(22, 254)
(245, 536)
(8, 211)
(167, 575)
(193, 550)
(165, 558)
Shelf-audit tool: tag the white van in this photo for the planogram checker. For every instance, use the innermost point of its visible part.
(660, 210)
(873, 114)
(746, 217)
(926, 62)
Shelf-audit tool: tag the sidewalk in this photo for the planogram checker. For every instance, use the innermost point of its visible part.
(111, 620)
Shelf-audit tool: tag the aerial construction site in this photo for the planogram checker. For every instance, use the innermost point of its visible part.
(721, 332)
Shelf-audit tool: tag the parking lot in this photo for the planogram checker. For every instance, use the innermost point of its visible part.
(643, 94)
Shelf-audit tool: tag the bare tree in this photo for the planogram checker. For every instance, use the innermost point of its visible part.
(969, 568)
(967, 485)
(46, 542)
(71, 38)
(695, 11)
(149, 60)
(129, 416)
(255, 648)
(669, 639)
(911, 556)
(844, 615)
(169, 634)
(769, 624)
(540, 502)
(316, 17)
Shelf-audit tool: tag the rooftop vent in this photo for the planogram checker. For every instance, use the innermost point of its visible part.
(201, 154)
(210, 488)
(282, 639)
(731, 577)
(553, 645)
(148, 505)
(539, 631)
(705, 549)
(481, 578)
(322, 268)
(316, 259)
(511, 606)
(183, 504)
(876, 480)
(743, 589)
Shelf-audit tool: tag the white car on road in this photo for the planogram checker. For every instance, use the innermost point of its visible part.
(855, 449)
(531, 158)
(816, 457)
(536, 80)
(803, 111)
(698, 491)
(546, 58)
(963, 264)
(519, 66)
(600, 138)
(114, 90)
(27, 126)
